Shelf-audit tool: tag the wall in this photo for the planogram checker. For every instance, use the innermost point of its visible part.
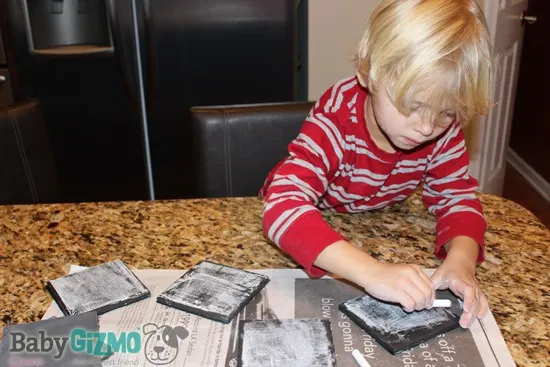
(334, 29)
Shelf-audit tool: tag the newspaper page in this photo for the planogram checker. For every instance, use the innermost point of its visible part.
(289, 294)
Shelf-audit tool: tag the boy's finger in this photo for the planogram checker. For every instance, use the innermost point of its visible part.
(439, 280)
(470, 304)
(426, 285)
(468, 294)
(426, 278)
(474, 310)
(465, 320)
(406, 301)
(429, 292)
(484, 306)
(419, 292)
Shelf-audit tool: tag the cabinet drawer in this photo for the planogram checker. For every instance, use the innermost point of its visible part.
(6, 96)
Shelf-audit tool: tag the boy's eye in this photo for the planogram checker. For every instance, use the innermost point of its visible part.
(449, 114)
(446, 117)
(416, 106)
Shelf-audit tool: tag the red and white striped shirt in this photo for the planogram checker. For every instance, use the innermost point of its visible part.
(334, 164)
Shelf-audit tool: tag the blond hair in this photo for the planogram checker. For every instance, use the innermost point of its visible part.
(439, 49)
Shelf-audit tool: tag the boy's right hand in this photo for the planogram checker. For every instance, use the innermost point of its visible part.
(400, 283)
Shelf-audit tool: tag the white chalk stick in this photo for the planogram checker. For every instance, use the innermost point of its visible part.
(442, 303)
(361, 361)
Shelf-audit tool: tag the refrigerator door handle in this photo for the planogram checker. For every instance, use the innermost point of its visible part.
(123, 18)
(119, 13)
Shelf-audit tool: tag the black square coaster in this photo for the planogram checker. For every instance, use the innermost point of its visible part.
(286, 343)
(213, 291)
(47, 343)
(100, 288)
(397, 330)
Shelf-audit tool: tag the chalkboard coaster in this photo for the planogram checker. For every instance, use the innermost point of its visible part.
(100, 288)
(397, 330)
(47, 343)
(213, 291)
(286, 343)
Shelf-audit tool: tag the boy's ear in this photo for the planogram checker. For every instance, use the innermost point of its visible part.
(361, 79)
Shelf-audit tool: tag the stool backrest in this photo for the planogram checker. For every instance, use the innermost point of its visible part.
(28, 173)
(235, 147)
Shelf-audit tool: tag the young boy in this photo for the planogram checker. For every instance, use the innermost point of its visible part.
(423, 70)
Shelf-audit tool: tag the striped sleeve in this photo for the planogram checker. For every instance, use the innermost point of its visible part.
(293, 189)
(450, 193)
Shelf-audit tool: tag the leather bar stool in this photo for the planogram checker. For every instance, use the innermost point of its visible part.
(235, 147)
(27, 169)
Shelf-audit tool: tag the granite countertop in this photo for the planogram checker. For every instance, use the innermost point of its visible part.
(39, 242)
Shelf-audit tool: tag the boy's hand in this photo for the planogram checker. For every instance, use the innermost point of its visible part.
(461, 281)
(457, 273)
(404, 284)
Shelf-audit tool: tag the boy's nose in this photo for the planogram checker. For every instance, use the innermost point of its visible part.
(424, 127)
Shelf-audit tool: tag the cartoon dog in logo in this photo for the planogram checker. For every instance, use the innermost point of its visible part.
(161, 346)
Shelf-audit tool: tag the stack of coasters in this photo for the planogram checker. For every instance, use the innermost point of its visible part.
(100, 288)
(289, 343)
(47, 343)
(216, 292)
(397, 330)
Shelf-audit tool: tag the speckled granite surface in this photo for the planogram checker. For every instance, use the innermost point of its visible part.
(37, 243)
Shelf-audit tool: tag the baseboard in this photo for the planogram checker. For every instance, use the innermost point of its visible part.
(537, 181)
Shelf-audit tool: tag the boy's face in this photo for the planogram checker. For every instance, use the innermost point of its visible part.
(393, 130)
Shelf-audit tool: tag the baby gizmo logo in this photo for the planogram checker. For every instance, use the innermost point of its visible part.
(80, 340)
(161, 344)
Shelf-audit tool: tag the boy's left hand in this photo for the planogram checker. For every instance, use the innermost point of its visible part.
(459, 277)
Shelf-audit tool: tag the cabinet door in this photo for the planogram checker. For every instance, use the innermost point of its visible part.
(6, 97)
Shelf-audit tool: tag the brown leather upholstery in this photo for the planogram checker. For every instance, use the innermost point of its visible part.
(235, 147)
(27, 169)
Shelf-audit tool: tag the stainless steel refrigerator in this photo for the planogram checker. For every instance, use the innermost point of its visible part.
(116, 79)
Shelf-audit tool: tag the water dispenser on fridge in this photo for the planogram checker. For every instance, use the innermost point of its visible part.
(67, 26)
